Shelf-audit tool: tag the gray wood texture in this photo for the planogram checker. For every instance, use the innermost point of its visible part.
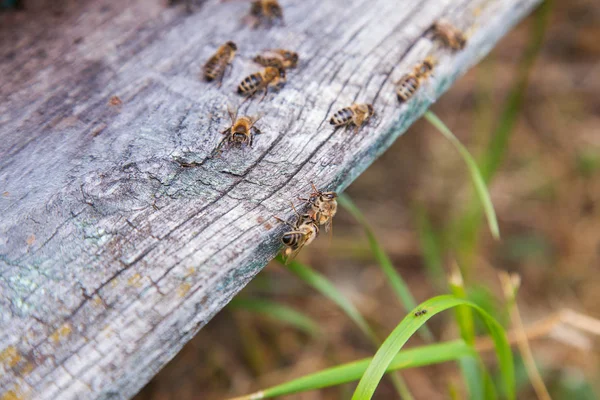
(120, 237)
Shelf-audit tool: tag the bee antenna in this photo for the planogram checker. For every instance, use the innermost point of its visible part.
(314, 187)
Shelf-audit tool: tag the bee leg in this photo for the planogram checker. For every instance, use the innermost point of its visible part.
(356, 128)
(219, 149)
(230, 66)
(285, 222)
(245, 100)
(256, 130)
(264, 95)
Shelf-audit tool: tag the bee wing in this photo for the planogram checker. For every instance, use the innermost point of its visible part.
(293, 254)
(329, 230)
(257, 117)
(232, 113)
(270, 54)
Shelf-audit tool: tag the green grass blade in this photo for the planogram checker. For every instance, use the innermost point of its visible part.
(478, 181)
(411, 358)
(278, 312)
(409, 325)
(398, 284)
(327, 289)
(322, 285)
(471, 368)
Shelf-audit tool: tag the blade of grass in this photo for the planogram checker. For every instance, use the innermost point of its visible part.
(411, 358)
(510, 286)
(398, 284)
(471, 368)
(327, 289)
(322, 285)
(478, 181)
(278, 312)
(409, 325)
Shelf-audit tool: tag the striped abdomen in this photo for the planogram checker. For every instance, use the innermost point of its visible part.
(214, 67)
(250, 84)
(293, 239)
(342, 117)
(407, 87)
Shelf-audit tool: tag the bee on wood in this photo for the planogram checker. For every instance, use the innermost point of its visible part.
(216, 65)
(356, 114)
(418, 313)
(323, 207)
(241, 132)
(408, 85)
(265, 12)
(278, 58)
(269, 77)
(303, 232)
(449, 35)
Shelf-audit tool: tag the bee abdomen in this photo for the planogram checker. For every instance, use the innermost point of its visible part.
(407, 87)
(342, 117)
(213, 68)
(250, 84)
(292, 239)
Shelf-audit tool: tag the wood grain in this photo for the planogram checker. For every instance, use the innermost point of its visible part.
(120, 235)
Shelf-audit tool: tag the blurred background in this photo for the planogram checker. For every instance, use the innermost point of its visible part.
(530, 114)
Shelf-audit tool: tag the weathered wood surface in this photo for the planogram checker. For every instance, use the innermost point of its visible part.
(112, 253)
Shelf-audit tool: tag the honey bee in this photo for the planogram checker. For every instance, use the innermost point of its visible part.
(269, 77)
(241, 132)
(449, 35)
(356, 114)
(279, 58)
(408, 85)
(216, 65)
(323, 207)
(418, 313)
(303, 232)
(265, 12)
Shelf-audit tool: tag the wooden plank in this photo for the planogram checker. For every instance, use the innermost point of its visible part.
(113, 253)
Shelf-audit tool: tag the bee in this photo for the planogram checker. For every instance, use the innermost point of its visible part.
(269, 77)
(265, 11)
(418, 313)
(356, 114)
(303, 232)
(449, 35)
(279, 58)
(241, 132)
(216, 65)
(323, 207)
(408, 85)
